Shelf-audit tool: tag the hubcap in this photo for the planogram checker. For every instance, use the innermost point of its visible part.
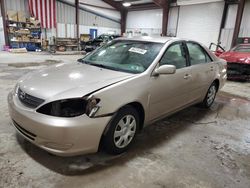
(125, 131)
(211, 95)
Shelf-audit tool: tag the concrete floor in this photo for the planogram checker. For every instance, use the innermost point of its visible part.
(193, 148)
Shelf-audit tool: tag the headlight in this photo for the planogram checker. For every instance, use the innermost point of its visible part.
(71, 107)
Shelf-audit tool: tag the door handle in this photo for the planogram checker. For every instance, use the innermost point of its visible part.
(187, 76)
(211, 68)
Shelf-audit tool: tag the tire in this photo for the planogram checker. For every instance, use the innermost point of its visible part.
(122, 131)
(210, 96)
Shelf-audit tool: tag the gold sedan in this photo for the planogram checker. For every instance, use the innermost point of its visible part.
(112, 93)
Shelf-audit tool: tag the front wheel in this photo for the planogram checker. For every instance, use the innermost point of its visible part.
(122, 131)
(210, 96)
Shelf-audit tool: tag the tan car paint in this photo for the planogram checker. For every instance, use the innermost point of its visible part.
(158, 95)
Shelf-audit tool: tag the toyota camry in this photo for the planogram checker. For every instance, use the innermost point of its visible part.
(108, 96)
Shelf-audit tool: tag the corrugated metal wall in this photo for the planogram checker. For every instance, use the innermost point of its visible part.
(17, 5)
(66, 22)
(245, 24)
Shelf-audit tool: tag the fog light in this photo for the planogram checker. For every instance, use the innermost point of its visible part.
(57, 146)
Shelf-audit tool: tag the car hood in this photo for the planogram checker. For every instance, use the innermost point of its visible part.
(69, 81)
(236, 57)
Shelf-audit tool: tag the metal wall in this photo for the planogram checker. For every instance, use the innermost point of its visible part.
(17, 5)
(66, 22)
(245, 23)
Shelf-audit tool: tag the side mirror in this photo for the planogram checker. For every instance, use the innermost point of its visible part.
(165, 69)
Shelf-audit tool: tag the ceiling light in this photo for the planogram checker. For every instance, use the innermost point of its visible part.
(126, 4)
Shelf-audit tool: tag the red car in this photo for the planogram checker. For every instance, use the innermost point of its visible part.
(238, 61)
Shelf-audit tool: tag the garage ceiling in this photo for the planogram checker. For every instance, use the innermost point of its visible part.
(138, 4)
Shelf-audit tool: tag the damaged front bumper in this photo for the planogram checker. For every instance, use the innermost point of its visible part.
(238, 71)
(57, 135)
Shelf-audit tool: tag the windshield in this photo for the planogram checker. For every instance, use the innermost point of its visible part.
(126, 56)
(242, 48)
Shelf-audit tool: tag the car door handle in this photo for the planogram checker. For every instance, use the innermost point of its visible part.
(211, 68)
(187, 76)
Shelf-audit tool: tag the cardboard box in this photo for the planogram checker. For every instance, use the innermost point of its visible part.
(21, 16)
(12, 15)
(36, 23)
(25, 38)
(24, 31)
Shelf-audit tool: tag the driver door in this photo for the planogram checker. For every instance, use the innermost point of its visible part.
(169, 92)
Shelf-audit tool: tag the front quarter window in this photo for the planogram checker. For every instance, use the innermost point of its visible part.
(125, 56)
(174, 55)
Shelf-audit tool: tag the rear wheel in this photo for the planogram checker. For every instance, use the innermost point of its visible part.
(210, 96)
(122, 131)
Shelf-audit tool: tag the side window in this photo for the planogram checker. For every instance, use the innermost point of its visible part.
(174, 56)
(197, 54)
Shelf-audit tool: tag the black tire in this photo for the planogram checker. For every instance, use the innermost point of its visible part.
(208, 101)
(109, 140)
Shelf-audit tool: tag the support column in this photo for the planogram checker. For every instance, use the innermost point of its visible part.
(165, 15)
(4, 22)
(124, 14)
(240, 10)
(77, 22)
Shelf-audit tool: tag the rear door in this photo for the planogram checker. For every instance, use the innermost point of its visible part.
(203, 70)
(172, 91)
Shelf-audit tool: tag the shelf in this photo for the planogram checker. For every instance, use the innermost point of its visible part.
(35, 28)
(26, 42)
(19, 22)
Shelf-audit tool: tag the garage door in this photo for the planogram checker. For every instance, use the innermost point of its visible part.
(200, 22)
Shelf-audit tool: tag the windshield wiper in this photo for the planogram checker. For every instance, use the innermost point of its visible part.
(82, 61)
(104, 66)
(99, 65)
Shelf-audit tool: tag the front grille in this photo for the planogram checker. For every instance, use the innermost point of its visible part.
(26, 133)
(29, 100)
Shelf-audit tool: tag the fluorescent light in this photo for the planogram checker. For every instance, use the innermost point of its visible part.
(126, 4)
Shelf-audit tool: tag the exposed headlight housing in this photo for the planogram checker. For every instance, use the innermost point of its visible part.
(71, 107)
(16, 88)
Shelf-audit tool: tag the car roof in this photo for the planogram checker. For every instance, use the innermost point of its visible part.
(149, 39)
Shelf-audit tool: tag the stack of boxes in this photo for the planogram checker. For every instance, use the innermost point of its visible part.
(23, 31)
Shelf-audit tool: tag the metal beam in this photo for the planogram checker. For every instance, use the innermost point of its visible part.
(77, 22)
(4, 22)
(116, 5)
(165, 19)
(124, 14)
(240, 10)
(123, 11)
(88, 10)
(161, 3)
(165, 5)
(96, 6)
(146, 6)
(223, 20)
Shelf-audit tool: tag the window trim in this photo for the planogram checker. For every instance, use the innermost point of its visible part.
(202, 49)
(182, 43)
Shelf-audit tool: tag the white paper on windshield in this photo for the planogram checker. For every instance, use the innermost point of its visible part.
(137, 50)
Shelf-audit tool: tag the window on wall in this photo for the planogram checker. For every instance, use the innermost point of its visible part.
(197, 54)
(174, 56)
